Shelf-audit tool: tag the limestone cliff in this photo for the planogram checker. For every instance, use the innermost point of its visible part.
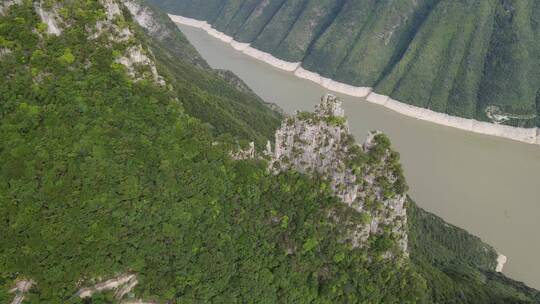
(366, 177)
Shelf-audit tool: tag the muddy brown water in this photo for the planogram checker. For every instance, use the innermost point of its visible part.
(486, 185)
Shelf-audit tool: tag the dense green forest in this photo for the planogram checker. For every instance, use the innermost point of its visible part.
(466, 58)
(216, 97)
(104, 173)
(457, 266)
(207, 94)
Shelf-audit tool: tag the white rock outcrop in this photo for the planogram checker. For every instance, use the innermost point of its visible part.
(5, 4)
(108, 25)
(123, 284)
(50, 17)
(321, 144)
(20, 289)
(4, 52)
(501, 260)
(112, 9)
(243, 154)
(144, 18)
(135, 56)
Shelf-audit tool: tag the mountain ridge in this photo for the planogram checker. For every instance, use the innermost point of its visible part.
(117, 186)
(453, 92)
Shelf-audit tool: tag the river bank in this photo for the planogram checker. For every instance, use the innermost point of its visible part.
(485, 184)
(527, 135)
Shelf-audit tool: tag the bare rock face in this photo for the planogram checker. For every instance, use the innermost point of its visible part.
(368, 178)
(50, 17)
(123, 286)
(244, 154)
(5, 4)
(4, 52)
(20, 289)
(136, 58)
(145, 18)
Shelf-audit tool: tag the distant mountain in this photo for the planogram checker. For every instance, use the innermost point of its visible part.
(472, 59)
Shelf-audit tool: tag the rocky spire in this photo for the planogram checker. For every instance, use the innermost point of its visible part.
(368, 178)
(329, 106)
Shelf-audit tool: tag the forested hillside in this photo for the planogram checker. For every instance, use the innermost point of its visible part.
(473, 59)
(114, 166)
(216, 97)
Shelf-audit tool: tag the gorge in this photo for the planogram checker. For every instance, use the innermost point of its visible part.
(484, 184)
(133, 171)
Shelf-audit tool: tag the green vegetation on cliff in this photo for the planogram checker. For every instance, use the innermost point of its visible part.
(458, 266)
(216, 97)
(103, 173)
(460, 57)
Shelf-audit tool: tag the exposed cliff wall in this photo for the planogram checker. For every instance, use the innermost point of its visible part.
(368, 178)
(50, 17)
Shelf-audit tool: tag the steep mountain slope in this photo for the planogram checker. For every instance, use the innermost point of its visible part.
(216, 97)
(111, 191)
(457, 266)
(472, 59)
(367, 178)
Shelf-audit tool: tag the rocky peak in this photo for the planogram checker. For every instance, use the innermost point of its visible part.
(368, 178)
(330, 106)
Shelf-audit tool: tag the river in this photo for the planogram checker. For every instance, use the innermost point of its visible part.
(489, 186)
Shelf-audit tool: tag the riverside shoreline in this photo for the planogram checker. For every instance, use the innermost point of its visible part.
(526, 135)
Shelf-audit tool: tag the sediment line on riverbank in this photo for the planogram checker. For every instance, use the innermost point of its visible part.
(527, 135)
